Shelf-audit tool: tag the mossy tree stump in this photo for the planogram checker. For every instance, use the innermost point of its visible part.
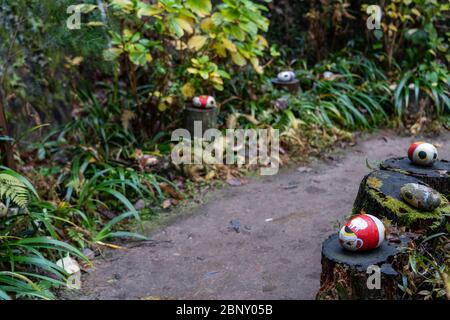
(349, 275)
(292, 86)
(207, 117)
(379, 195)
(436, 176)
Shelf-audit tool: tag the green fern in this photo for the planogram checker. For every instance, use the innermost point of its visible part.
(13, 189)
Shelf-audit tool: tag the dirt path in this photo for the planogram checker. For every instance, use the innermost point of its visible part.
(201, 257)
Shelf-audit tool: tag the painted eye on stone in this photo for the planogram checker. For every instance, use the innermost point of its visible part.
(422, 155)
(286, 76)
(435, 156)
(408, 195)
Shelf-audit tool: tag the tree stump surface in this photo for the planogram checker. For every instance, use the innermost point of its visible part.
(436, 176)
(208, 118)
(292, 86)
(345, 274)
(379, 195)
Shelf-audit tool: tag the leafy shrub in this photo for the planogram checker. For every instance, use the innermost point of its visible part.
(176, 49)
(411, 32)
(427, 85)
(428, 274)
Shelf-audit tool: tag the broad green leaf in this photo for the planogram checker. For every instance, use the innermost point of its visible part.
(197, 42)
(186, 24)
(203, 74)
(180, 25)
(162, 106)
(149, 11)
(200, 7)
(206, 24)
(237, 32)
(95, 24)
(85, 8)
(238, 59)
(140, 58)
(188, 90)
(175, 27)
(256, 66)
(122, 199)
(229, 45)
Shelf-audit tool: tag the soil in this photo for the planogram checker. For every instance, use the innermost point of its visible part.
(260, 240)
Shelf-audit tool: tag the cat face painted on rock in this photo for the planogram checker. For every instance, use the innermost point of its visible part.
(204, 102)
(422, 153)
(362, 232)
(286, 76)
(349, 240)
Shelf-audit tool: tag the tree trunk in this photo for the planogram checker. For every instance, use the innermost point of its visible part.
(207, 117)
(436, 176)
(6, 147)
(379, 195)
(348, 275)
(293, 86)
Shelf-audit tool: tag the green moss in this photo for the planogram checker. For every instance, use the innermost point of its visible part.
(400, 171)
(407, 215)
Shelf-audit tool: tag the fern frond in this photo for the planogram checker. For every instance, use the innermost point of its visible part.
(13, 189)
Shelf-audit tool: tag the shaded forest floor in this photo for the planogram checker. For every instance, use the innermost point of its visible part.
(272, 248)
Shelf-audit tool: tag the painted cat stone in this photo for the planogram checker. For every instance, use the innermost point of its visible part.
(286, 76)
(362, 232)
(422, 153)
(204, 102)
(420, 196)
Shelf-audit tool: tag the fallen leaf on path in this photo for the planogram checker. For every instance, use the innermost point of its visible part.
(168, 189)
(166, 204)
(109, 245)
(69, 265)
(210, 175)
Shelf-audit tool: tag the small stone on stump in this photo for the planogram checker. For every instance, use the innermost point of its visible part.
(345, 274)
(379, 195)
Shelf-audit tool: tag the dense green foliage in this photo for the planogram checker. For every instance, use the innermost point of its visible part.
(113, 89)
